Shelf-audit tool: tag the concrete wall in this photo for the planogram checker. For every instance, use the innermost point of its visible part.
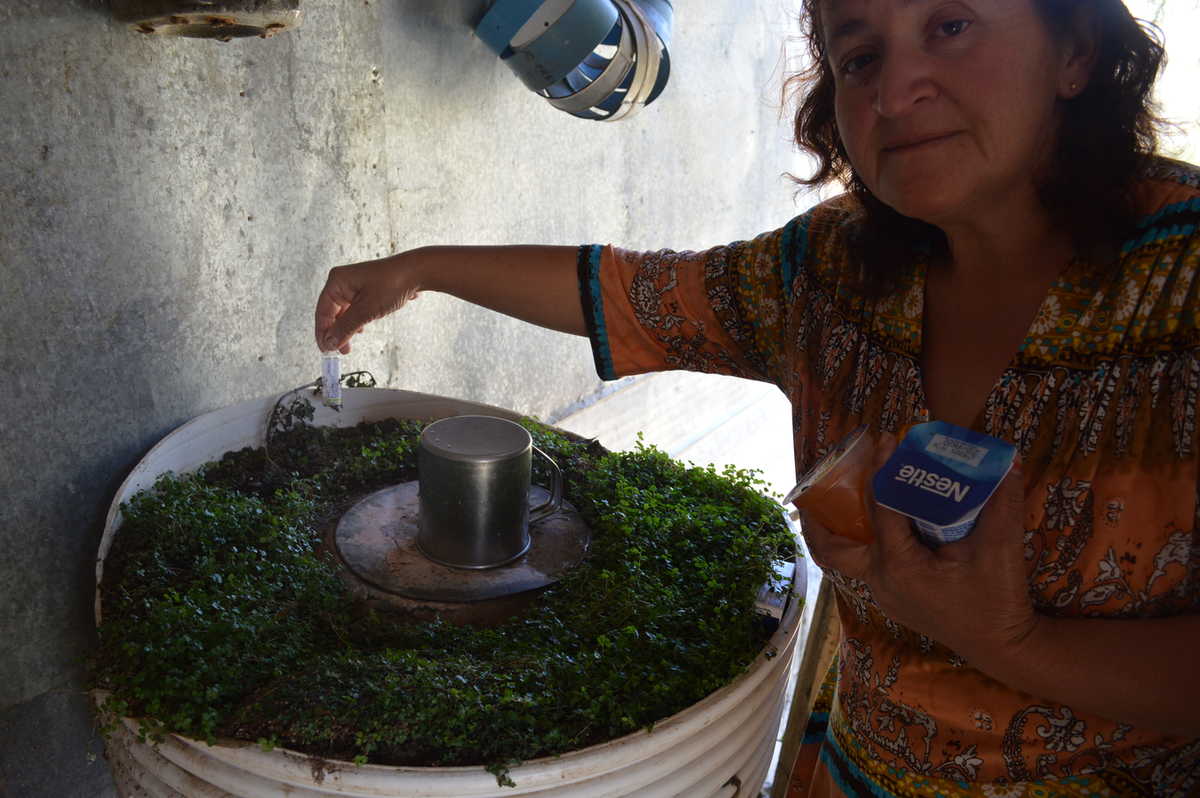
(169, 209)
(1176, 89)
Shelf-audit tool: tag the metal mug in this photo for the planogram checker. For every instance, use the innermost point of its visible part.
(474, 474)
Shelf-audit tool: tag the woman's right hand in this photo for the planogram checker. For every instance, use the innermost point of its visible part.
(360, 293)
(537, 284)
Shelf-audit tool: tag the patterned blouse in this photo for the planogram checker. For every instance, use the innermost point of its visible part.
(1101, 402)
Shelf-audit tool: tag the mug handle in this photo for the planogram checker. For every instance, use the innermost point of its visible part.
(554, 503)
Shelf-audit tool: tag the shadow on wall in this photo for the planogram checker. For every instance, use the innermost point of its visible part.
(452, 13)
(435, 42)
(170, 208)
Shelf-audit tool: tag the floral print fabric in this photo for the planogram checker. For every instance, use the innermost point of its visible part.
(1101, 402)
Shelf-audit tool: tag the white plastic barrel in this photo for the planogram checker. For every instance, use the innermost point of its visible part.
(719, 747)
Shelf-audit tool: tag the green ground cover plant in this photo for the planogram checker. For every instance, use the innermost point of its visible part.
(225, 616)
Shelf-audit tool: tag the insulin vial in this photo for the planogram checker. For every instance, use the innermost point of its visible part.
(834, 491)
(331, 378)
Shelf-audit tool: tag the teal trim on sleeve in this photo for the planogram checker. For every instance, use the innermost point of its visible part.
(1187, 207)
(847, 775)
(1157, 234)
(592, 302)
(794, 246)
(818, 727)
(1177, 219)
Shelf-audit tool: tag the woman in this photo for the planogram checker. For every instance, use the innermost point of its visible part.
(1003, 199)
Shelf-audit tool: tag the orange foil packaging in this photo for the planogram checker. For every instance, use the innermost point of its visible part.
(834, 491)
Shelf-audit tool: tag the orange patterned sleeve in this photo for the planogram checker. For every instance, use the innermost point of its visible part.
(723, 310)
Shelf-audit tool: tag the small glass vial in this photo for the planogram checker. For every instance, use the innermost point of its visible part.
(331, 378)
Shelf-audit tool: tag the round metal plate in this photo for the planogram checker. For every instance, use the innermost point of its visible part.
(377, 540)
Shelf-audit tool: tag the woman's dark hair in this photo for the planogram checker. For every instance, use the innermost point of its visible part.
(1107, 134)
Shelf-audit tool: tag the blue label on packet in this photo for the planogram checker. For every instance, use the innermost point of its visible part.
(941, 475)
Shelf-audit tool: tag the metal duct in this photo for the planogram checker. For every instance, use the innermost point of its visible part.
(594, 59)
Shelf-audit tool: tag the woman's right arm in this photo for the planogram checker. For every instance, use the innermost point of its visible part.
(537, 284)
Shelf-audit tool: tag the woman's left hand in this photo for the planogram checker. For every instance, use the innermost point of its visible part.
(971, 595)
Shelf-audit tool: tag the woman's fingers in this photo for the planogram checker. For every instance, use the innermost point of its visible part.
(982, 579)
(341, 307)
(1003, 516)
(893, 530)
(356, 295)
(330, 304)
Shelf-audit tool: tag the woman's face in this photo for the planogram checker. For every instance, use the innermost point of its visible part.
(946, 108)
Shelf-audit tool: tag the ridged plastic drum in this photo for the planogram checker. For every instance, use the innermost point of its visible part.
(720, 747)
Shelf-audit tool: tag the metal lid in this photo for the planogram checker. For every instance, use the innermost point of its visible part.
(377, 540)
(479, 439)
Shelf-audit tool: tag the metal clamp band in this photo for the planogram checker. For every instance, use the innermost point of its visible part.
(606, 83)
(646, 61)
